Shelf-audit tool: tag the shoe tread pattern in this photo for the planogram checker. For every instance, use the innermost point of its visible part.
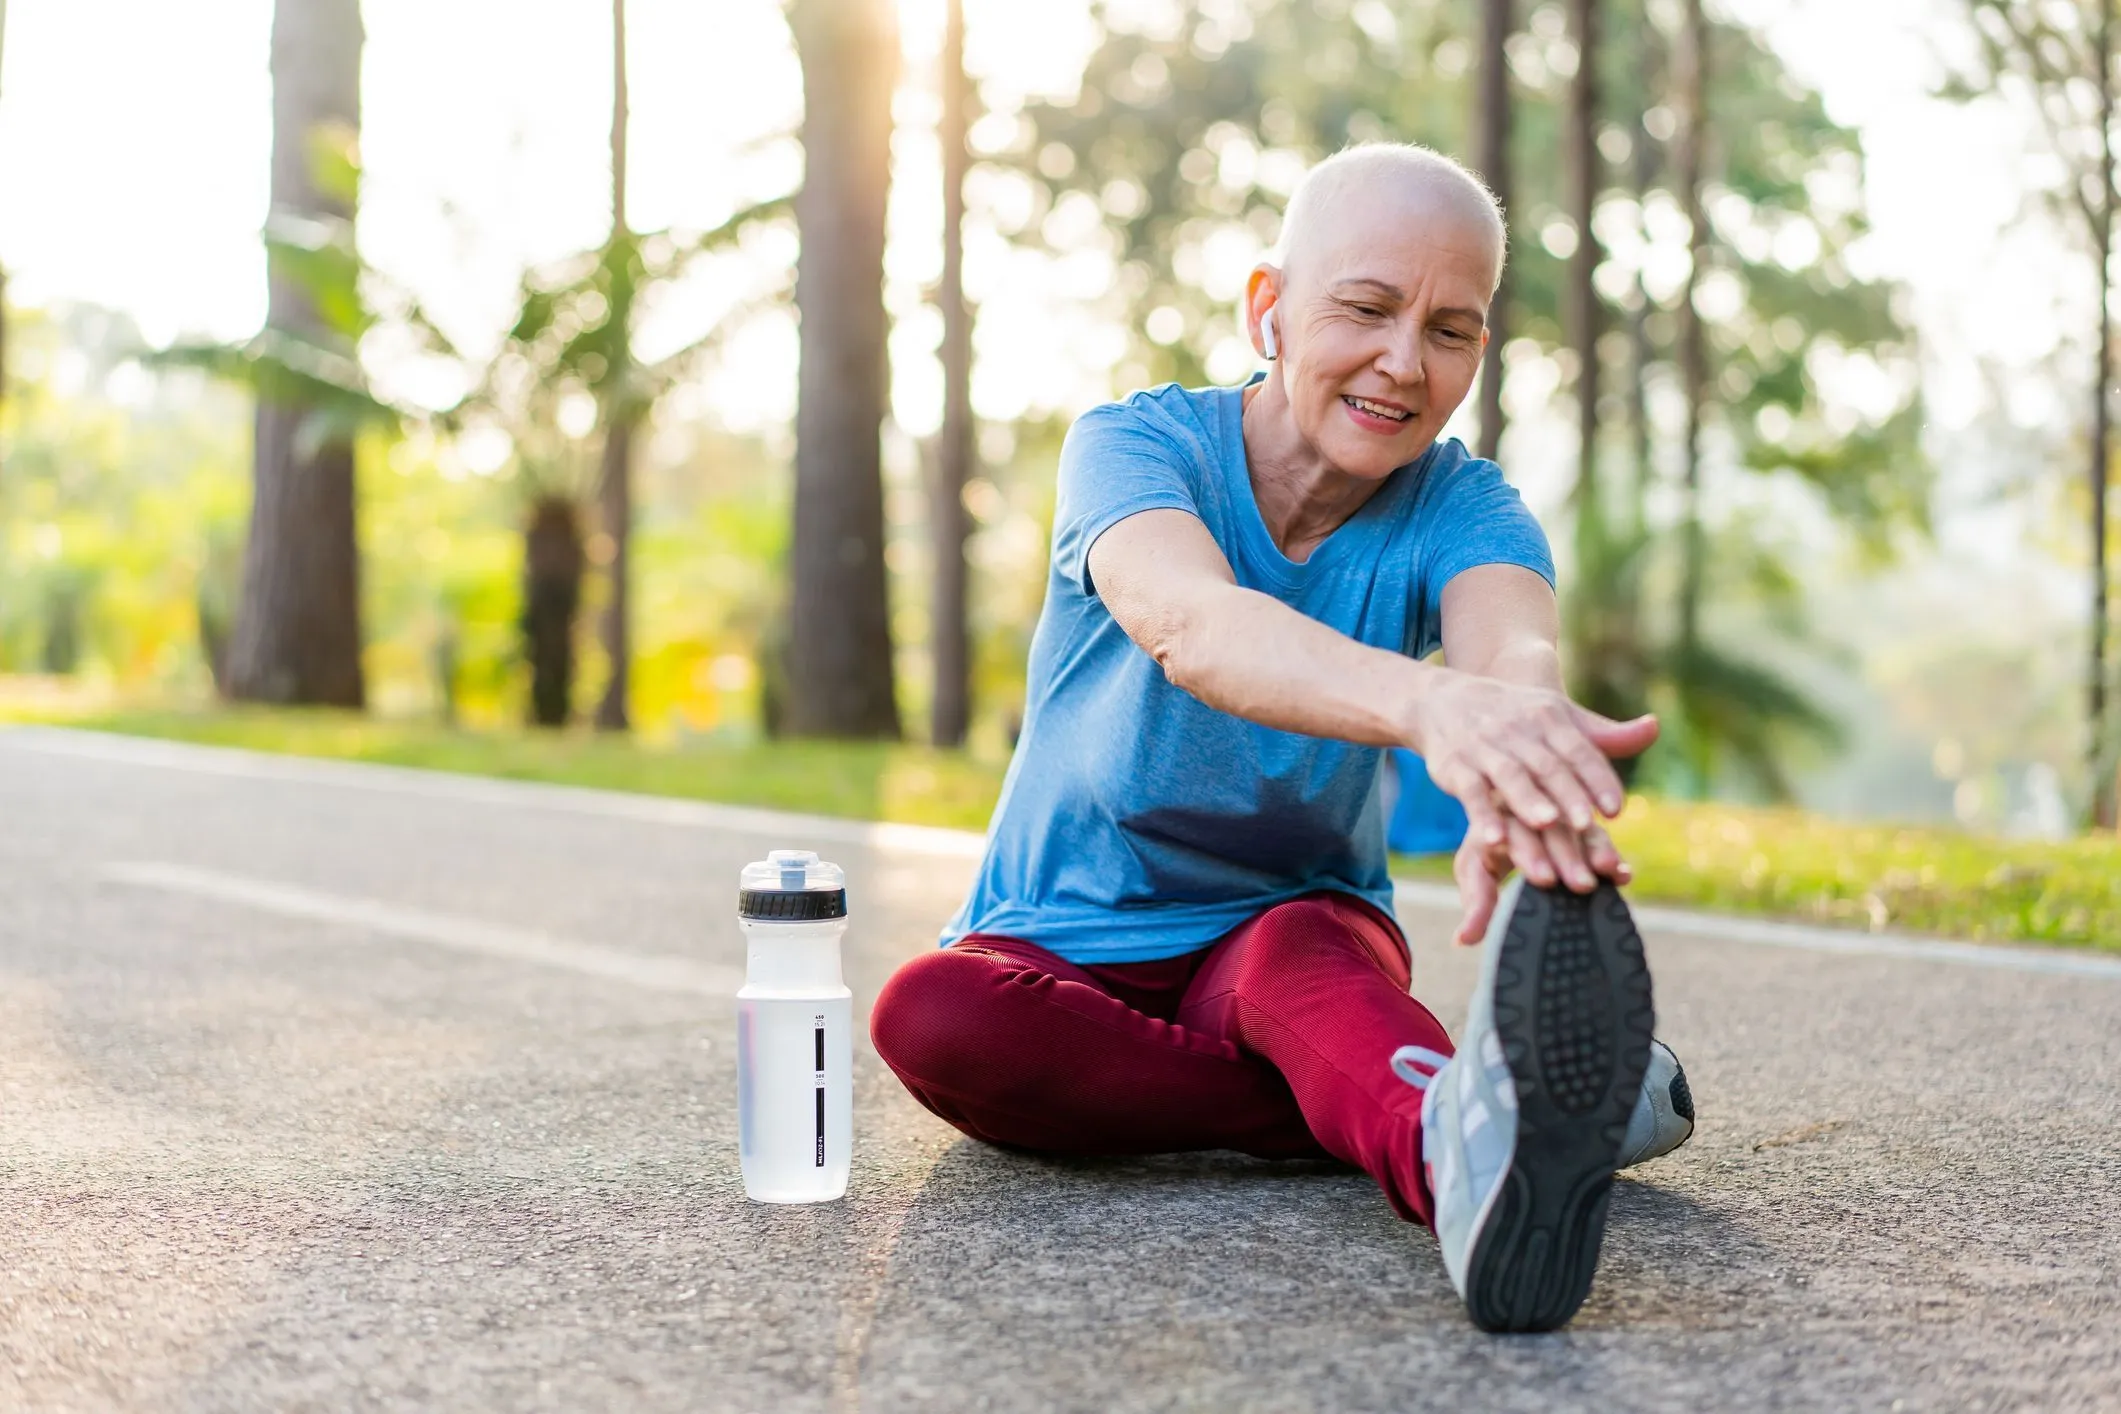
(1682, 1098)
(1573, 1013)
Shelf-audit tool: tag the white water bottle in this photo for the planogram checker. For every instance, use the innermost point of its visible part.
(794, 1042)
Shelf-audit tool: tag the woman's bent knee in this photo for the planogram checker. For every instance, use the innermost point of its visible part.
(921, 1022)
(1326, 930)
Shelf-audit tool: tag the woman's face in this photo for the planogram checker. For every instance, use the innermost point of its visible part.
(1381, 326)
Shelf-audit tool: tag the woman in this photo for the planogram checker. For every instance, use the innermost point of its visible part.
(1181, 936)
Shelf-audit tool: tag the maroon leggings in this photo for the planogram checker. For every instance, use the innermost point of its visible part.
(1276, 1041)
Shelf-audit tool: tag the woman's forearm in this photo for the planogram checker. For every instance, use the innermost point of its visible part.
(1250, 655)
(1497, 731)
(1168, 586)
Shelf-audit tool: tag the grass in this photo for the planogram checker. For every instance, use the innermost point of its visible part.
(1733, 859)
(857, 780)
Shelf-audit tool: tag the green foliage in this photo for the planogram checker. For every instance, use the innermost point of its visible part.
(1790, 864)
(122, 515)
(1727, 710)
(576, 329)
(115, 495)
(444, 551)
(311, 357)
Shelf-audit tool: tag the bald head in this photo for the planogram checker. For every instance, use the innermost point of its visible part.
(1358, 190)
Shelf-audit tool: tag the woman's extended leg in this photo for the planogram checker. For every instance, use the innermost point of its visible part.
(1318, 988)
(1015, 1046)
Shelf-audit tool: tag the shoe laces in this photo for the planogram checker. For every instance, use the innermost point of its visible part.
(1417, 1065)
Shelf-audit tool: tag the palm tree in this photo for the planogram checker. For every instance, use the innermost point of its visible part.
(573, 338)
(1491, 154)
(953, 462)
(297, 635)
(838, 649)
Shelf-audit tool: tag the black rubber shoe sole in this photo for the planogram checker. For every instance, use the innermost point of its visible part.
(1573, 1013)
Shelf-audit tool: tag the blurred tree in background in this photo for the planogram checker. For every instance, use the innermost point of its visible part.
(122, 509)
(950, 710)
(2057, 58)
(838, 650)
(3, 268)
(620, 404)
(1492, 126)
(297, 633)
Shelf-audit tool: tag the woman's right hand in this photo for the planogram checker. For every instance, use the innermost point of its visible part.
(1532, 770)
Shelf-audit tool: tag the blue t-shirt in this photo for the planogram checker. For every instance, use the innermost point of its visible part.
(1136, 822)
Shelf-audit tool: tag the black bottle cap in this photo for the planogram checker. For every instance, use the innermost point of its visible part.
(792, 905)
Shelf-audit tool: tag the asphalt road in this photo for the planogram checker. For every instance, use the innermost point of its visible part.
(339, 1088)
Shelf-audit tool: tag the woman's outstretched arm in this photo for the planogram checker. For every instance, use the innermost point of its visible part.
(1497, 732)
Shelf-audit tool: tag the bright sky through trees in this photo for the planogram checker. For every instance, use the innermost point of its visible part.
(134, 133)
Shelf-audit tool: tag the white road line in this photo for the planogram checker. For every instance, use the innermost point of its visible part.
(441, 929)
(479, 790)
(1808, 939)
(939, 843)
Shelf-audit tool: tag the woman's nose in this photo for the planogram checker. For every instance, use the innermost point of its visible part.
(1400, 359)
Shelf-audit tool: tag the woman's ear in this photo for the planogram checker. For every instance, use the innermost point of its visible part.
(1262, 294)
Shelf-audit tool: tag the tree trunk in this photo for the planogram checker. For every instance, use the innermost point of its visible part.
(1491, 154)
(953, 463)
(615, 475)
(1642, 354)
(1620, 685)
(552, 592)
(1582, 300)
(839, 638)
(3, 272)
(298, 627)
(615, 514)
(2104, 785)
(1691, 76)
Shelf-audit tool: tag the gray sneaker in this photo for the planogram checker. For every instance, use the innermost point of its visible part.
(1664, 1111)
(1522, 1129)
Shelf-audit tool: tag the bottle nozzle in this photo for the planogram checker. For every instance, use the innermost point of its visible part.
(794, 865)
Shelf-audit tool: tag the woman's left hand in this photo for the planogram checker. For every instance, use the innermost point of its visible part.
(1555, 855)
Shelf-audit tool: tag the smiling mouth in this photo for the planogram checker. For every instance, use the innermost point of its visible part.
(1385, 411)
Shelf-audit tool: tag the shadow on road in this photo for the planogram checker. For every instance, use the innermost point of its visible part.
(1671, 1261)
(1220, 1281)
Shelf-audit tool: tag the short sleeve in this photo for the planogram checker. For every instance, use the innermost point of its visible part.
(1479, 520)
(1113, 464)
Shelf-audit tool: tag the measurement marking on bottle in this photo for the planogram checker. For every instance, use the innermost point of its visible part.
(818, 1037)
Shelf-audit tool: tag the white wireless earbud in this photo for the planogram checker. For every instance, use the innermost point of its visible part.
(1266, 335)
